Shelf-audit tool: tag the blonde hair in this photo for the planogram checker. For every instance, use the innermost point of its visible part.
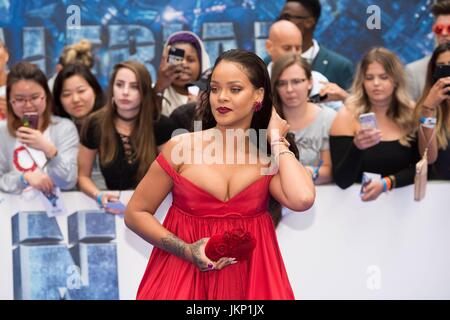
(278, 68)
(80, 52)
(400, 111)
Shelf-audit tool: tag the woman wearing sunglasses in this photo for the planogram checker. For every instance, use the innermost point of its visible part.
(37, 149)
(416, 71)
(433, 113)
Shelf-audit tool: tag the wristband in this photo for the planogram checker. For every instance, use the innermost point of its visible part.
(24, 182)
(393, 181)
(281, 153)
(388, 183)
(385, 188)
(280, 140)
(316, 170)
(99, 199)
(429, 122)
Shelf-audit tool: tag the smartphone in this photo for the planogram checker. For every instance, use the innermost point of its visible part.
(368, 120)
(193, 90)
(317, 98)
(175, 56)
(364, 182)
(441, 71)
(30, 120)
(116, 205)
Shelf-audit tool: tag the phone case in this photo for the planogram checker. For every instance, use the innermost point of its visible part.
(116, 205)
(30, 120)
(368, 121)
(175, 55)
(420, 179)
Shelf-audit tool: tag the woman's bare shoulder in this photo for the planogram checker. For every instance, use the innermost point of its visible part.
(344, 123)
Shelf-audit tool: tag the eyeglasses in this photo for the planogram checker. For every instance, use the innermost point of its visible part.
(22, 101)
(283, 84)
(287, 16)
(438, 29)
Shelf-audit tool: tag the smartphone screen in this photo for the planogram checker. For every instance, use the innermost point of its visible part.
(368, 120)
(175, 56)
(441, 71)
(30, 120)
(194, 90)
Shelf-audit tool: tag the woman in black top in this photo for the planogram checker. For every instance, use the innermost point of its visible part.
(389, 149)
(434, 103)
(126, 133)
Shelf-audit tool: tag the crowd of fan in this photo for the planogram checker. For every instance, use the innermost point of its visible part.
(66, 132)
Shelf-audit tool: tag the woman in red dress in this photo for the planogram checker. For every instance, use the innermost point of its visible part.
(220, 181)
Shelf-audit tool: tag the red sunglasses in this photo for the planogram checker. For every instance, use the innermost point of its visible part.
(439, 28)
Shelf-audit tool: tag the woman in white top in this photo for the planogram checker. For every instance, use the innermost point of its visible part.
(38, 150)
(172, 79)
(291, 84)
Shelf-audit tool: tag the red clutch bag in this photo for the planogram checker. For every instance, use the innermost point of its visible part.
(236, 243)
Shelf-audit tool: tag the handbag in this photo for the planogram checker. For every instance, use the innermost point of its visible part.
(421, 177)
(236, 243)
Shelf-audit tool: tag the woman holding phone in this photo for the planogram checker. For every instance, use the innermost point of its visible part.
(179, 68)
(433, 113)
(37, 149)
(390, 148)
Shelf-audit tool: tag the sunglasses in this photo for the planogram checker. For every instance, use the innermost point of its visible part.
(439, 28)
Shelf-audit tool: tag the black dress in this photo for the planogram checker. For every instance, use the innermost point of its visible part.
(440, 170)
(385, 158)
(121, 173)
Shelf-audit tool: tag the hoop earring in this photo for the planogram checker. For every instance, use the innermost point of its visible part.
(257, 105)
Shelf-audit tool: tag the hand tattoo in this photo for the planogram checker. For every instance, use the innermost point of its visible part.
(174, 245)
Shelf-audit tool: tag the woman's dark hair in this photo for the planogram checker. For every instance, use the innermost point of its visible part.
(443, 111)
(25, 70)
(432, 64)
(257, 73)
(70, 71)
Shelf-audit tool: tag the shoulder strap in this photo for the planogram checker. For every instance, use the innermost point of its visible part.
(425, 153)
(167, 167)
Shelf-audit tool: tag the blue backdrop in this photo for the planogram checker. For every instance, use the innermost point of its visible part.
(122, 29)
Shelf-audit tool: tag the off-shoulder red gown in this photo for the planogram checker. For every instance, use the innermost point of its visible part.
(196, 214)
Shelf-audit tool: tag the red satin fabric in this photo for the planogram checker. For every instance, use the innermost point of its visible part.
(196, 214)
